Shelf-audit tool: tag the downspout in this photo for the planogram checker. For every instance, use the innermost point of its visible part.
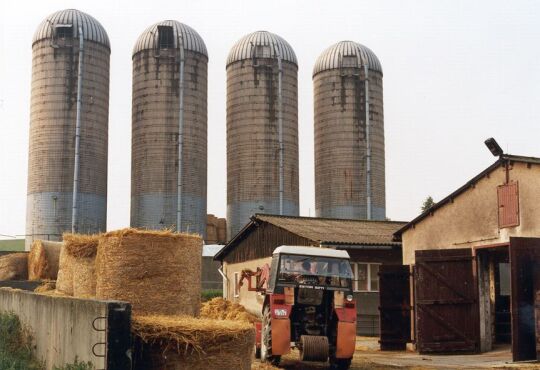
(180, 135)
(74, 210)
(368, 145)
(280, 129)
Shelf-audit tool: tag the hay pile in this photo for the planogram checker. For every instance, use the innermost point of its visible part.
(183, 342)
(158, 272)
(43, 260)
(77, 273)
(14, 266)
(46, 286)
(221, 309)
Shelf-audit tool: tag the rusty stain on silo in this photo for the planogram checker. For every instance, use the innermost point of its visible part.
(344, 121)
(157, 119)
(55, 61)
(255, 110)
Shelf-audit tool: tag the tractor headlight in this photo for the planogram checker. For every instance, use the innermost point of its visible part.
(350, 298)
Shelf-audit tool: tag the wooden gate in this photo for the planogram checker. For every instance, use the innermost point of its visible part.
(446, 301)
(394, 307)
(525, 281)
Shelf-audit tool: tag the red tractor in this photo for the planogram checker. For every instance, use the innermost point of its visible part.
(308, 304)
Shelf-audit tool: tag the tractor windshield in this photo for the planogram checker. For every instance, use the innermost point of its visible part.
(315, 270)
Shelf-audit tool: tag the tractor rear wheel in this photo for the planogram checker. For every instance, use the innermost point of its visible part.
(266, 340)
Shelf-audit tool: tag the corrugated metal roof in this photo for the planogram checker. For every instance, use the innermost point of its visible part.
(337, 231)
(243, 49)
(332, 57)
(92, 29)
(192, 40)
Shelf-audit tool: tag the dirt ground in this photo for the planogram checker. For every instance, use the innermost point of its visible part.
(368, 356)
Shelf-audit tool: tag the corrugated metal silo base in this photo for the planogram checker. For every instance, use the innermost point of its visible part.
(158, 211)
(352, 212)
(49, 215)
(238, 214)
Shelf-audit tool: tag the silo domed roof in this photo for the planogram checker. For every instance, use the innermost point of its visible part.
(92, 29)
(331, 58)
(243, 49)
(192, 40)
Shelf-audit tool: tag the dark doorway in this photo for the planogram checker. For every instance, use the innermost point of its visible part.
(525, 281)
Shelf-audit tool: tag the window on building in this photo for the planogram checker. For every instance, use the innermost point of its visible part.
(504, 279)
(263, 51)
(165, 37)
(236, 281)
(349, 61)
(508, 199)
(366, 277)
(63, 31)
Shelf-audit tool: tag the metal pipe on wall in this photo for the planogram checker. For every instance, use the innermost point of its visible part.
(280, 130)
(180, 134)
(368, 145)
(74, 213)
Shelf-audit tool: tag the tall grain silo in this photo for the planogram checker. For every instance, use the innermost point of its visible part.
(69, 109)
(262, 129)
(349, 133)
(169, 129)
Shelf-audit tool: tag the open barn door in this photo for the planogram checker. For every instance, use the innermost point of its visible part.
(394, 307)
(525, 281)
(446, 301)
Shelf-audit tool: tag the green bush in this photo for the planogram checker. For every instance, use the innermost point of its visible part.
(15, 345)
(208, 294)
(76, 366)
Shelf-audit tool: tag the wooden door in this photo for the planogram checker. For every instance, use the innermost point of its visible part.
(447, 318)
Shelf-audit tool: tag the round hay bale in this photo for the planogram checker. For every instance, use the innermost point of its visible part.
(64, 280)
(158, 272)
(43, 260)
(14, 266)
(181, 342)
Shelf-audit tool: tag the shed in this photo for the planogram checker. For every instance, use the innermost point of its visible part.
(476, 256)
(210, 276)
(369, 244)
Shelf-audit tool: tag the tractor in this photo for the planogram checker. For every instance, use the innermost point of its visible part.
(308, 305)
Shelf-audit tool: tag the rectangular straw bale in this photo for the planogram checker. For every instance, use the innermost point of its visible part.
(14, 266)
(180, 342)
(158, 272)
(82, 249)
(43, 260)
(64, 280)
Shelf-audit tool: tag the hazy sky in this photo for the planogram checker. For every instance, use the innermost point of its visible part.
(455, 73)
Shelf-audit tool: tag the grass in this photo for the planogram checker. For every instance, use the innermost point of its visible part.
(17, 351)
(208, 294)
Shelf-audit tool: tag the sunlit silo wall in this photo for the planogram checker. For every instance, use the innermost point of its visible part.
(253, 121)
(156, 122)
(53, 112)
(340, 132)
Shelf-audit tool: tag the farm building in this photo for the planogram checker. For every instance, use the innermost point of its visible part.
(369, 244)
(210, 277)
(476, 262)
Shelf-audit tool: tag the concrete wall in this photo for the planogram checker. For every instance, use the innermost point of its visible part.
(61, 326)
(210, 277)
(250, 300)
(472, 218)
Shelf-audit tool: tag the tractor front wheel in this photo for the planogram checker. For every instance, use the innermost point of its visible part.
(266, 340)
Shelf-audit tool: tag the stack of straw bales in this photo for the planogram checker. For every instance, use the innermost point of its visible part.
(43, 260)
(77, 273)
(182, 342)
(221, 309)
(14, 266)
(158, 272)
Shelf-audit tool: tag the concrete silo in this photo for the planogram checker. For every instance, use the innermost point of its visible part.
(169, 129)
(262, 129)
(67, 170)
(349, 133)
